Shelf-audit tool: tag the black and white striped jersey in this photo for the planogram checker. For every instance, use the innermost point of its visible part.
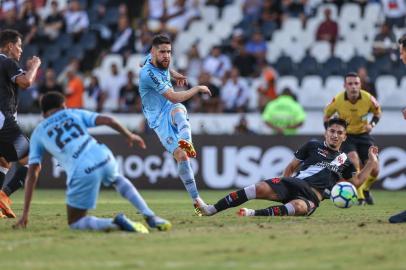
(321, 166)
(9, 70)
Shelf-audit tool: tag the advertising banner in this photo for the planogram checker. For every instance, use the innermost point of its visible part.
(225, 162)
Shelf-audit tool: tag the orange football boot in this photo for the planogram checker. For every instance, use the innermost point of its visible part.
(5, 203)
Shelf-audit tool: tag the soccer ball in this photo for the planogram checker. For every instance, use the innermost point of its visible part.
(344, 195)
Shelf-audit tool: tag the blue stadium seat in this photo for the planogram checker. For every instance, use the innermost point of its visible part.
(64, 41)
(51, 53)
(29, 51)
(333, 66)
(308, 66)
(60, 64)
(383, 65)
(76, 51)
(111, 17)
(355, 63)
(88, 41)
(83, 4)
(284, 65)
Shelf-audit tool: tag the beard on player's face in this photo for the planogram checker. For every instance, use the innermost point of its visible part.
(163, 63)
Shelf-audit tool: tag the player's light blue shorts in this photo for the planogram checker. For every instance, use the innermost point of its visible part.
(166, 131)
(98, 166)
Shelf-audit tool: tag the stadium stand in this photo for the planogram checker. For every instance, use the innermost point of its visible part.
(311, 68)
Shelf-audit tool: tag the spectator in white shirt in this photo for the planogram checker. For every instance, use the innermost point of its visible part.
(124, 38)
(76, 19)
(235, 94)
(111, 85)
(217, 64)
(395, 12)
(153, 12)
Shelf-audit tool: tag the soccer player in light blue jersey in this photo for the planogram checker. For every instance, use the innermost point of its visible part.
(88, 164)
(164, 112)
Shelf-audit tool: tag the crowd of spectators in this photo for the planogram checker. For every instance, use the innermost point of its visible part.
(235, 70)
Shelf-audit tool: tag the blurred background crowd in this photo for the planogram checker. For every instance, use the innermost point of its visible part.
(248, 52)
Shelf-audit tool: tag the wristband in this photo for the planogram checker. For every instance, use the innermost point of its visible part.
(374, 121)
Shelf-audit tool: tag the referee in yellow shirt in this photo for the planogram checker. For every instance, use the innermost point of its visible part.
(354, 105)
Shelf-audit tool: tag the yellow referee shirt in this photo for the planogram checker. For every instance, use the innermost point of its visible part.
(355, 114)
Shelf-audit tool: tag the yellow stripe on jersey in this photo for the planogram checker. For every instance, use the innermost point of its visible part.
(355, 114)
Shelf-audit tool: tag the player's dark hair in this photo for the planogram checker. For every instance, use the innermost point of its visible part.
(337, 121)
(350, 74)
(9, 35)
(160, 39)
(51, 100)
(402, 41)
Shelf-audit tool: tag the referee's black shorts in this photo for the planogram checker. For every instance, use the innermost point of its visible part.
(14, 145)
(290, 188)
(359, 143)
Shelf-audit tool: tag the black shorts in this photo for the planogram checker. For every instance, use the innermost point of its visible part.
(290, 188)
(359, 143)
(14, 144)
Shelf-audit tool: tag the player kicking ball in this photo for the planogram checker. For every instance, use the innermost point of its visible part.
(319, 166)
(162, 108)
(88, 164)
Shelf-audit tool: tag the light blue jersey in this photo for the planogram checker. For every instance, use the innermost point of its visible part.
(87, 163)
(64, 135)
(154, 82)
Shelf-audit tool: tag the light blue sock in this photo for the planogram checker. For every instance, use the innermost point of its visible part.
(128, 191)
(183, 126)
(186, 175)
(94, 223)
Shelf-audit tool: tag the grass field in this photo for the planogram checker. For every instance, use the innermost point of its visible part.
(332, 238)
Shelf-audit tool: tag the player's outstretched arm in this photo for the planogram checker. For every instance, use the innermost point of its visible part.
(30, 183)
(177, 97)
(292, 167)
(104, 120)
(26, 80)
(372, 162)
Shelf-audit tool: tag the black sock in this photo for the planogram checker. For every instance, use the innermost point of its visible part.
(277, 210)
(2, 177)
(233, 199)
(17, 181)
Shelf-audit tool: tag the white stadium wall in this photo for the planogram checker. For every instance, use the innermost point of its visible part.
(391, 123)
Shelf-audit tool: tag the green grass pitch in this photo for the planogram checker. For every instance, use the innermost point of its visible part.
(332, 238)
